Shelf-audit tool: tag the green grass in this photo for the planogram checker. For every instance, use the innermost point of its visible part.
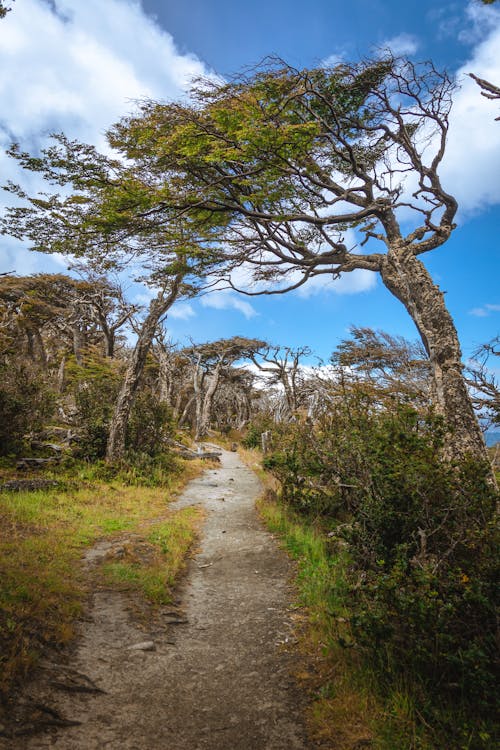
(343, 708)
(43, 535)
(155, 567)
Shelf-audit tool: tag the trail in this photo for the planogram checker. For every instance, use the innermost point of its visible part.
(220, 674)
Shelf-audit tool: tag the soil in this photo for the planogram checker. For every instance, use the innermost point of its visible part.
(213, 673)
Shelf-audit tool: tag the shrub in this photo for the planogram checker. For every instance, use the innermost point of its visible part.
(259, 424)
(151, 423)
(423, 554)
(26, 401)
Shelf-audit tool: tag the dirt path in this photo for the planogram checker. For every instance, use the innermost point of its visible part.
(219, 677)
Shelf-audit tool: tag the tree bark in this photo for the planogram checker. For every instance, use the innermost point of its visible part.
(408, 279)
(118, 428)
(203, 415)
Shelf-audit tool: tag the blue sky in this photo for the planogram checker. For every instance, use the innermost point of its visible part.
(78, 66)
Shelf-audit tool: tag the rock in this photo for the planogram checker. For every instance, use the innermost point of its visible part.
(174, 619)
(143, 646)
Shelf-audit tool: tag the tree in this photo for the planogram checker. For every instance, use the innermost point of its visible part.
(103, 216)
(126, 396)
(284, 161)
(53, 314)
(484, 383)
(282, 365)
(488, 90)
(208, 364)
(392, 366)
(3, 9)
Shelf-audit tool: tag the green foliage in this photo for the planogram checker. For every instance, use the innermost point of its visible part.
(95, 387)
(150, 424)
(26, 400)
(259, 424)
(423, 553)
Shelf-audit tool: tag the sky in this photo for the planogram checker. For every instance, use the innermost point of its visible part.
(77, 66)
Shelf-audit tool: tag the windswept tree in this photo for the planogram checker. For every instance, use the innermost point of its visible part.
(285, 161)
(209, 362)
(281, 365)
(484, 381)
(270, 171)
(102, 216)
(391, 365)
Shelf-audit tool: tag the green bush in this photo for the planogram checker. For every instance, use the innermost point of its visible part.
(259, 424)
(423, 550)
(26, 401)
(150, 424)
(94, 386)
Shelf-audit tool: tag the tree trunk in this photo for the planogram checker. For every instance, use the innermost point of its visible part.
(203, 417)
(118, 428)
(408, 279)
(185, 413)
(109, 338)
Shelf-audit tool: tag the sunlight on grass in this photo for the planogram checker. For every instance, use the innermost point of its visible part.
(343, 710)
(44, 535)
(154, 567)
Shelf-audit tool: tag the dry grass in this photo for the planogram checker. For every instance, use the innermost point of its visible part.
(43, 535)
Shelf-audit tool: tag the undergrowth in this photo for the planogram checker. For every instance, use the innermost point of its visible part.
(344, 708)
(411, 595)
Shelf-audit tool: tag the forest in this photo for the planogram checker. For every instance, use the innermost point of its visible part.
(375, 470)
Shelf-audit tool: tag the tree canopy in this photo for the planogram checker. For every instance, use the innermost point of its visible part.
(288, 173)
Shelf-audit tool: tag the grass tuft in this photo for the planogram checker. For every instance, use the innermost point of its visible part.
(153, 567)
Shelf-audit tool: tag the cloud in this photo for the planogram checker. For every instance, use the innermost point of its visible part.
(77, 67)
(181, 311)
(402, 44)
(348, 283)
(87, 66)
(478, 19)
(485, 311)
(225, 300)
(332, 60)
(471, 164)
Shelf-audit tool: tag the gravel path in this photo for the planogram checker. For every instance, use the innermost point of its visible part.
(218, 676)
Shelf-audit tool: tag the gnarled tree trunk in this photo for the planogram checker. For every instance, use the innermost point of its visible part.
(408, 279)
(204, 413)
(118, 428)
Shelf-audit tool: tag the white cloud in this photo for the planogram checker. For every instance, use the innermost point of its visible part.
(77, 66)
(402, 44)
(15, 258)
(348, 283)
(81, 74)
(485, 311)
(472, 162)
(225, 300)
(478, 19)
(332, 60)
(181, 311)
